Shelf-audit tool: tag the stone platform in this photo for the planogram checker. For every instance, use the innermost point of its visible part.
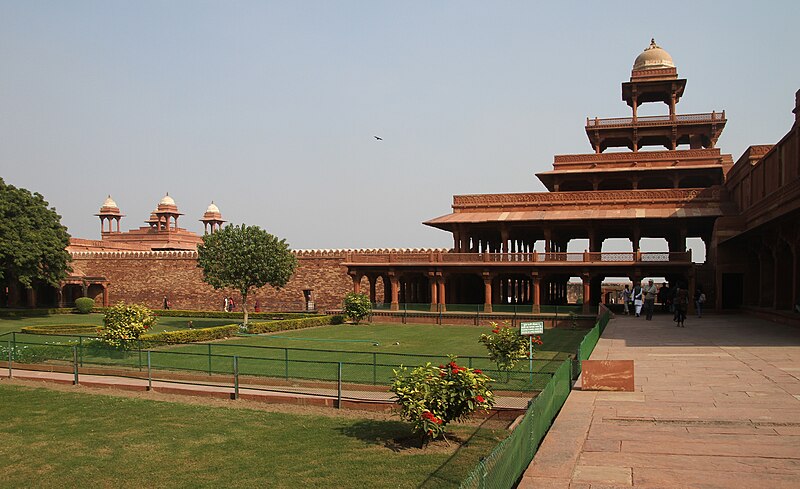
(716, 405)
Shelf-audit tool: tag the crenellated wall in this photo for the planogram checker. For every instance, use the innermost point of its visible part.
(147, 276)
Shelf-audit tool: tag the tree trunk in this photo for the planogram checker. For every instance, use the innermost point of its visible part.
(244, 305)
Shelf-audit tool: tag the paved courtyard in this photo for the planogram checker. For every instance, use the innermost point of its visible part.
(716, 405)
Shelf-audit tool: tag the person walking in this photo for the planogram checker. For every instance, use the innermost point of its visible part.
(225, 304)
(681, 306)
(649, 292)
(699, 300)
(626, 299)
(637, 300)
(165, 305)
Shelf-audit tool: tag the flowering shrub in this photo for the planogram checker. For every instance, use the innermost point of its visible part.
(356, 306)
(125, 322)
(506, 346)
(431, 397)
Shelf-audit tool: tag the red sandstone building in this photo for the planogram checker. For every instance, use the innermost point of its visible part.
(669, 181)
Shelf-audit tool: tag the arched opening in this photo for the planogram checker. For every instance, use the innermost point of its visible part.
(783, 290)
(511, 289)
(95, 292)
(70, 292)
(698, 247)
(415, 290)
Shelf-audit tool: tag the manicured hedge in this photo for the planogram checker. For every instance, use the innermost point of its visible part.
(288, 324)
(14, 313)
(58, 329)
(190, 335)
(230, 315)
(84, 305)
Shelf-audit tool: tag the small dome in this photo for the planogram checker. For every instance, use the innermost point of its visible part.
(212, 208)
(109, 203)
(167, 200)
(653, 58)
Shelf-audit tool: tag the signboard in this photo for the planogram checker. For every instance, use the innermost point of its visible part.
(530, 328)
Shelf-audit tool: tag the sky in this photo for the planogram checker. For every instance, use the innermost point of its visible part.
(270, 108)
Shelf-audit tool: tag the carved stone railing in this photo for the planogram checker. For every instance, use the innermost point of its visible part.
(649, 156)
(438, 258)
(656, 120)
(679, 196)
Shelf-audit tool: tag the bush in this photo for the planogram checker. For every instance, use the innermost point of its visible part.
(288, 324)
(229, 315)
(506, 346)
(125, 322)
(356, 306)
(431, 397)
(189, 335)
(337, 319)
(84, 305)
(61, 329)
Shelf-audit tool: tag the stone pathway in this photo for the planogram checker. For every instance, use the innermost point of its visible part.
(716, 405)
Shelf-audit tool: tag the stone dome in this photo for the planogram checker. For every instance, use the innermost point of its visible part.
(167, 200)
(653, 58)
(109, 203)
(212, 208)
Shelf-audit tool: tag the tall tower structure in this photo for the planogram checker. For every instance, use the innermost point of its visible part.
(654, 78)
(212, 219)
(109, 213)
(165, 216)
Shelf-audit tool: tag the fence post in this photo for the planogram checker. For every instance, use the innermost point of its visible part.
(149, 372)
(339, 388)
(374, 368)
(10, 354)
(209, 359)
(286, 363)
(236, 377)
(75, 364)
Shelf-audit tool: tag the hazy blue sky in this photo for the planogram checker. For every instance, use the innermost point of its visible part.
(270, 108)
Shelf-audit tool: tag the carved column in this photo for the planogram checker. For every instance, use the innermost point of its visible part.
(395, 305)
(487, 292)
(586, 279)
(434, 295)
(372, 294)
(535, 280)
(441, 293)
(356, 282)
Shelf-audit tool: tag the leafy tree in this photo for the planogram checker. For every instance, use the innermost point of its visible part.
(431, 397)
(357, 306)
(33, 241)
(244, 258)
(125, 322)
(506, 346)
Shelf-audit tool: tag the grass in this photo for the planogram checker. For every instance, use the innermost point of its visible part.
(64, 439)
(368, 352)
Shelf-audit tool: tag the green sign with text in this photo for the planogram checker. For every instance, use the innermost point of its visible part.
(532, 327)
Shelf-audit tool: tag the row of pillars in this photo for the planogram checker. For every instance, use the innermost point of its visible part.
(507, 290)
(466, 242)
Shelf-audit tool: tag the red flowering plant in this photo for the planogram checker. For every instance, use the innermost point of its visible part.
(506, 346)
(430, 397)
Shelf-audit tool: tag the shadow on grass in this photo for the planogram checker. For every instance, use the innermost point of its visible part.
(468, 443)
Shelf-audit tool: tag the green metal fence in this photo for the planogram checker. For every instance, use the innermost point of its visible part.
(366, 368)
(503, 467)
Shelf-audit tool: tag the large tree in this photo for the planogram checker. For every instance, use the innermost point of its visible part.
(33, 241)
(244, 258)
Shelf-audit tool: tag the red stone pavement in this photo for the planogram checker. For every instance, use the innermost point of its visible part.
(716, 405)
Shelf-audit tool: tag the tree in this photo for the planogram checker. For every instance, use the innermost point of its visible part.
(356, 306)
(244, 258)
(33, 242)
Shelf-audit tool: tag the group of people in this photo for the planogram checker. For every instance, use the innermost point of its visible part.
(641, 300)
(228, 305)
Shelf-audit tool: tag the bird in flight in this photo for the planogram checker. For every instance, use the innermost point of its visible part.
(379, 138)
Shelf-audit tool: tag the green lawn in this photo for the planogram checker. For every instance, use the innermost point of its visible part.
(63, 439)
(368, 352)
